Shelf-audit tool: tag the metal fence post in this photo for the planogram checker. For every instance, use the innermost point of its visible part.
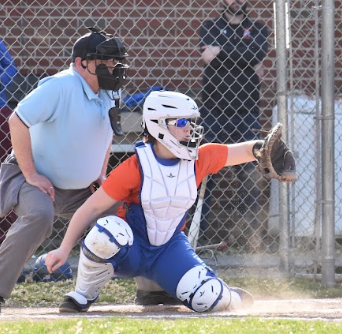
(328, 128)
(281, 65)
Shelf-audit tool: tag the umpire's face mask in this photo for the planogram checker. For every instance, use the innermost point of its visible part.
(111, 80)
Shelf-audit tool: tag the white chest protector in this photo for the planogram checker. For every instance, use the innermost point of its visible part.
(167, 193)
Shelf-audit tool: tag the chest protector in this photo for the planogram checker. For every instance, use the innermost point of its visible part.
(166, 194)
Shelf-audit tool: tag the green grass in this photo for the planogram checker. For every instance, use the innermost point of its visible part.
(50, 294)
(119, 325)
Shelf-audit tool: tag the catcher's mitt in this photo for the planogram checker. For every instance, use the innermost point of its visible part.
(275, 160)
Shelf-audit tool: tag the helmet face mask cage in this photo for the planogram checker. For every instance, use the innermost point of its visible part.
(196, 135)
(196, 131)
(161, 109)
(105, 47)
(111, 68)
(110, 77)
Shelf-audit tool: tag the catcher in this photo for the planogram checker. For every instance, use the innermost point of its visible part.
(158, 185)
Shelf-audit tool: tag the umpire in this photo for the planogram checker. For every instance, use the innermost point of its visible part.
(61, 137)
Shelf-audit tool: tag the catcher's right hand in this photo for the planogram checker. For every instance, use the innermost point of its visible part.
(275, 160)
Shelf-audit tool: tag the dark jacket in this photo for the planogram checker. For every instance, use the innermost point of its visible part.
(229, 80)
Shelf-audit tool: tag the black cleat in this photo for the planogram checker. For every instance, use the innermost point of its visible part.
(68, 305)
(155, 298)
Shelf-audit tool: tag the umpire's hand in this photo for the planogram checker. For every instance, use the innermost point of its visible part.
(41, 182)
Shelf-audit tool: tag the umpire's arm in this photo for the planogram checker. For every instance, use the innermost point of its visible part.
(103, 174)
(21, 143)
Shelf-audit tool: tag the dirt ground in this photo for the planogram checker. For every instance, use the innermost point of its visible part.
(329, 309)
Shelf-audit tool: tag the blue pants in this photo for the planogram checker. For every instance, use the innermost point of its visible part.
(164, 264)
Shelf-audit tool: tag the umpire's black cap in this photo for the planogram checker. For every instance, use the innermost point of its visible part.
(98, 45)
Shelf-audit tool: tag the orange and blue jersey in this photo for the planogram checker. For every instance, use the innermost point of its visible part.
(124, 182)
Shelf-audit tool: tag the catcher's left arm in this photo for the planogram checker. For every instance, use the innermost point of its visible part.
(275, 159)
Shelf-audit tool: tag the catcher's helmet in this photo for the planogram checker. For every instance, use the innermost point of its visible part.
(41, 274)
(161, 106)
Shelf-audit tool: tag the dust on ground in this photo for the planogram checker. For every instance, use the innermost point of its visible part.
(329, 309)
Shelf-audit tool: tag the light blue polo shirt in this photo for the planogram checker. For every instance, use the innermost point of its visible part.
(69, 127)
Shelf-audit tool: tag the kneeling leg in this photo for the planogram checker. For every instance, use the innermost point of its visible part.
(104, 247)
(200, 290)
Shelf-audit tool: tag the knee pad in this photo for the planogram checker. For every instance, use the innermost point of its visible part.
(202, 291)
(108, 236)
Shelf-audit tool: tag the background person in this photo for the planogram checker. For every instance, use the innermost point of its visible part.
(61, 135)
(233, 48)
(157, 186)
(8, 71)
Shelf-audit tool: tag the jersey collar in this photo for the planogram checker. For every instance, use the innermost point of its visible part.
(86, 88)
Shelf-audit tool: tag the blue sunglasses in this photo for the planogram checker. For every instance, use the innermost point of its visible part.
(180, 122)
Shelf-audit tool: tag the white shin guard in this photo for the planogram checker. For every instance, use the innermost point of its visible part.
(92, 277)
(108, 236)
(204, 292)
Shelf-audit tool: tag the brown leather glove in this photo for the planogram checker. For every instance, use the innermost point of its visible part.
(275, 160)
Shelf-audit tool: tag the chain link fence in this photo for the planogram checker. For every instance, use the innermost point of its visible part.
(165, 43)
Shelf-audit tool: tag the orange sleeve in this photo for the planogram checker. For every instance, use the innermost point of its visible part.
(211, 159)
(123, 182)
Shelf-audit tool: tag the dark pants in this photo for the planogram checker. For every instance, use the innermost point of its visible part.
(36, 213)
(242, 203)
